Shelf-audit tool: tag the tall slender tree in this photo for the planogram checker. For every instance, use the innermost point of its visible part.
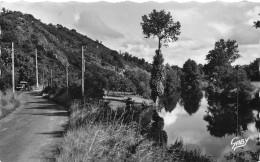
(161, 25)
(157, 77)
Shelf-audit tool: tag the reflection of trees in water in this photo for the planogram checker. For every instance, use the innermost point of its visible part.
(191, 98)
(152, 126)
(170, 101)
(156, 131)
(222, 114)
(255, 104)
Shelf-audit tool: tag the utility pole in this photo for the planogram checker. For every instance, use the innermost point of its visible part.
(83, 71)
(51, 77)
(67, 74)
(13, 68)
(36, 64)
(0, 50)
(258, 116)
(43, 79)
(0, 57)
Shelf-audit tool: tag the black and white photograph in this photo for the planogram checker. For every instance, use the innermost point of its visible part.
(129, 81)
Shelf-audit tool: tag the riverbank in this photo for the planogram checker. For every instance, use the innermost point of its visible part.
(97, 131)
(131, 133)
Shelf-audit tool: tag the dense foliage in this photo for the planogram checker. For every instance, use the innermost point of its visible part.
(190, 74)
(55, 45)
(157, 77)
(229, 91)
(223, 54)
(161, 25)
(252, 70)
(140, 78)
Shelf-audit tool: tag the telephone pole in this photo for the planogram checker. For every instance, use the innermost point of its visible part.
(51, 77)
(0, 57)
(67, 74)
(83, 72)
(43, 79)
(36, 64)
(13, 68)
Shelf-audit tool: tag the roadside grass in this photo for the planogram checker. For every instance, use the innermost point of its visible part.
(99, 142)
(8, 102)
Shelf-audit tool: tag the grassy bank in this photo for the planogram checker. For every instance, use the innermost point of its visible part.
(133, 132)
(8, 102)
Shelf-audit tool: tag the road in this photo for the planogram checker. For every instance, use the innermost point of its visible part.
(30, 133)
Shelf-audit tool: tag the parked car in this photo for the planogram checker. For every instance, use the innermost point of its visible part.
(22, 86)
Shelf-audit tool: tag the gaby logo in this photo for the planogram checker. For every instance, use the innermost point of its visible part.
(238, 143)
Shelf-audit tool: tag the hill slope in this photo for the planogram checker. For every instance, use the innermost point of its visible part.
(55, 45)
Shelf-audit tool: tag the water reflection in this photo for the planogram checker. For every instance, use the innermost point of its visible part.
(156, 132)
(191, 98)
(210, 122)
(169, 102)
(222, 114)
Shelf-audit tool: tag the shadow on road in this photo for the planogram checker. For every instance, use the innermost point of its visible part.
(54, 134)
(53, 114)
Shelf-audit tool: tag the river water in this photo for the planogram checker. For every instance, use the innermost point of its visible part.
(212, 134)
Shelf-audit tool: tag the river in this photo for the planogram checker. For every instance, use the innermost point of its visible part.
(208, 127)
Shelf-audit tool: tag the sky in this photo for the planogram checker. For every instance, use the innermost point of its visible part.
(117, 25)
(138, 1)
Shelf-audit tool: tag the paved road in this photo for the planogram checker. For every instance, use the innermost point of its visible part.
(31, 131)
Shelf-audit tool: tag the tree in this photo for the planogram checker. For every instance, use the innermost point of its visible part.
(157, 77)
(223, 54)
(191, 74)
(223, 78)
(172, 81)
(253, 70)
(141, 79)
(161, 25)
(257, 23)
(3, 10)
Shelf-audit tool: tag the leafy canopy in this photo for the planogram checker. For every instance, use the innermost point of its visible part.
(224, 53)
(191, 74)
(160, 24)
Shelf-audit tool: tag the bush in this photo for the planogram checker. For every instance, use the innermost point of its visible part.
(140, 79)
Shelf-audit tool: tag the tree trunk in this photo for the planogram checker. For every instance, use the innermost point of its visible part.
(159, 45)
(157, 101)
